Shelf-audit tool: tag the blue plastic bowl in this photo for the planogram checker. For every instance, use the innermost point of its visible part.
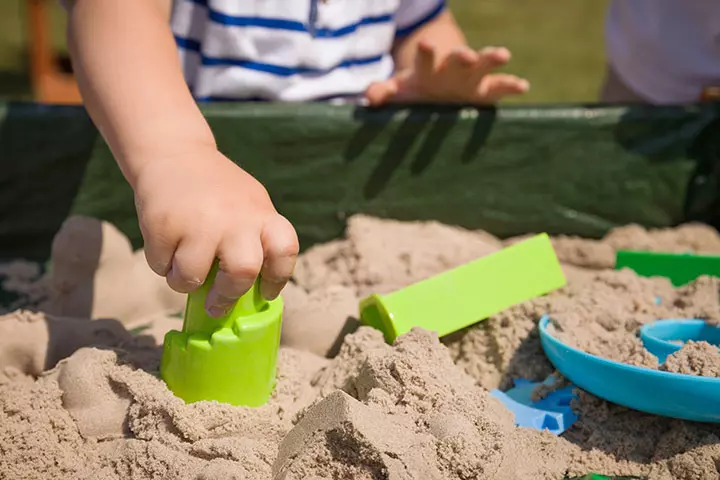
(662, 393)
(658, 336)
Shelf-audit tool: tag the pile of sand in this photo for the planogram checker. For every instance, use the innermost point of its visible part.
(694, 358)
(80, 398)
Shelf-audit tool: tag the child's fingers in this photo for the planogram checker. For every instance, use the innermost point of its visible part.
(495, 87)
(280, 244)
(464, 56)
(379, 93)
(491, 58)
(191, 264)
(241, 258)
(425, 59)
(160, 245)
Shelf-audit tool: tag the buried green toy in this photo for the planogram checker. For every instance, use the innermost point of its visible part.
(595, 476)
(679, 268)
(231, 359)
(469, 293)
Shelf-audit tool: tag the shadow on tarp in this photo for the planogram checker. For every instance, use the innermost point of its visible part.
(43, 154)
(419, 139)
(702, 203)
(662, 135)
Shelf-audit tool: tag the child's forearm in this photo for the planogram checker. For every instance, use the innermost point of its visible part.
(442, 31)
(129, 73)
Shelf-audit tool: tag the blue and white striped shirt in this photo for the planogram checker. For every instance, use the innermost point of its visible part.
(291, 50)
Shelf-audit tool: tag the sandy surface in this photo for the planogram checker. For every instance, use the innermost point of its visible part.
(694, 358)
(79, 398)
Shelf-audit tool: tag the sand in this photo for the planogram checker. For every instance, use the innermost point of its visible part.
(80, 397)
(694, 358)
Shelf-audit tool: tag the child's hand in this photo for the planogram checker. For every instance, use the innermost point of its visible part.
(199, 206)
(463, 76)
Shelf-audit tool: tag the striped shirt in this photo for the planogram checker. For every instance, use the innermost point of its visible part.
(291, 50)
(666, 51)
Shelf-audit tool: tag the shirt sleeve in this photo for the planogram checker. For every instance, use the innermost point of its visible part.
(412, 14)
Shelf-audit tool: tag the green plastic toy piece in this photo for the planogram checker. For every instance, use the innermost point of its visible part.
(680, 268)
(231, 359)
(596, 476)
(469, 293)
(593, 476)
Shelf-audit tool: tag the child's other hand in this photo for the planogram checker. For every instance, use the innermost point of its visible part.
(463, 76)
(199, 206)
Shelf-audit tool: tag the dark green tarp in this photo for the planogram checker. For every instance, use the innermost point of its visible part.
(574, 170)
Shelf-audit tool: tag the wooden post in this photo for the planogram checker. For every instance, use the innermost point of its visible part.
(49, 82)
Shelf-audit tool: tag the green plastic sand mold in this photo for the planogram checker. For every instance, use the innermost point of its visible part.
(595, 476)
(231, 359)
(680, 268)
(469, 293)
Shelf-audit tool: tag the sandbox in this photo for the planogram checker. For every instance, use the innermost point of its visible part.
(80, 397)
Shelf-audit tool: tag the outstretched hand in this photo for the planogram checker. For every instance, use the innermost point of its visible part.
(463, 76)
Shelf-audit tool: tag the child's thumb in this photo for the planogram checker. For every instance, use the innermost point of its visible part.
(379, 93)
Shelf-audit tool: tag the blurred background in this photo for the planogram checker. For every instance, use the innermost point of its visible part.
(556, 44)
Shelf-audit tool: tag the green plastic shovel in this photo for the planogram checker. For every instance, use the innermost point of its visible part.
(468, 294)
(680, 268)
(231, 359)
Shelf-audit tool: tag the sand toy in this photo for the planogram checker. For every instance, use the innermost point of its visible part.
(680, 268)
(597, 476)
(552, 413)
(465, 295)
(669, 394)
(231, 359)
(665, 337)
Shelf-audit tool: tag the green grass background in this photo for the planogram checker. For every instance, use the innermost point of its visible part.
(556, 44)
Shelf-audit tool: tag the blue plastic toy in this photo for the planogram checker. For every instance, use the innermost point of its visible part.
(662, 393)
(665, 337)
(552, 413)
